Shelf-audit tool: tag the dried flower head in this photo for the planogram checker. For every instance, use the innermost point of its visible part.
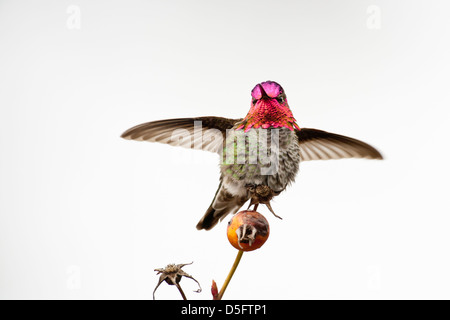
(172, 274)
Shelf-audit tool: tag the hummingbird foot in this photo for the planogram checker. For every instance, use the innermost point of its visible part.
(254, 204)
(246, 234)
(261, 194)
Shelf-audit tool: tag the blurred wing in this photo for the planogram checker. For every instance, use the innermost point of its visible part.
(322, 145)
(202, 133)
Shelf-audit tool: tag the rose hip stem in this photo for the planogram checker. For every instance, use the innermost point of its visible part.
(230, 275)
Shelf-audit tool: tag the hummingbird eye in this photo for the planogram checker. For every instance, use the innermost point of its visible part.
(254, 101)
(280, 99)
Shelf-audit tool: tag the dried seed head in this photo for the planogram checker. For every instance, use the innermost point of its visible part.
(172, 275)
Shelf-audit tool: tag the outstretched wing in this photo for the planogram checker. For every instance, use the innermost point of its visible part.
(202, 133)
(321, 145)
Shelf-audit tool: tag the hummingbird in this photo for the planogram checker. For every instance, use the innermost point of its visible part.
(260, 153)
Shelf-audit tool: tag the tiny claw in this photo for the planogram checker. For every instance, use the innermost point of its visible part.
(271, 210)
(252, 202)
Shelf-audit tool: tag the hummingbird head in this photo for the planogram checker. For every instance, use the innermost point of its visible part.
(269, 109)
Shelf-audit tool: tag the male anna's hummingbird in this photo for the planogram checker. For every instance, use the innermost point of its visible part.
(260, 153)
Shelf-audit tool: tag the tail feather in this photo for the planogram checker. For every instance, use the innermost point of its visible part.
(222, 204)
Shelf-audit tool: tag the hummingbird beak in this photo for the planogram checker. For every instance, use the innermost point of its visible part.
(263, 93)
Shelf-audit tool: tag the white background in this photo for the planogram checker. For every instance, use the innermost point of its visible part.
(85, 214)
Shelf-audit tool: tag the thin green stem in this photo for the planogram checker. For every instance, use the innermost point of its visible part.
(230, 275)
